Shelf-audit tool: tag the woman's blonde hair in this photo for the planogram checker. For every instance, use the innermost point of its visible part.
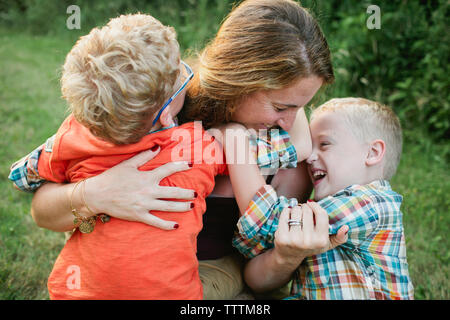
(262, 44)
(370, 120)
(116, 77)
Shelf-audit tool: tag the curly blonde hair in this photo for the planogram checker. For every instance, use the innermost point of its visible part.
(116, 77)
(370, 120)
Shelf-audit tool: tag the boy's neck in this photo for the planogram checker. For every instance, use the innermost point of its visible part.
(373, 173)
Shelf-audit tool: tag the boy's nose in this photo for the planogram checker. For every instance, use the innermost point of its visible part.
(312, 157)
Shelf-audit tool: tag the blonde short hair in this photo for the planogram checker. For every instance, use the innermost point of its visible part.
(116, 77)
(369, 121)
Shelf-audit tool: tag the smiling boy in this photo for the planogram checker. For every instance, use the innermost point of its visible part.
(356, 147)
(355, 141)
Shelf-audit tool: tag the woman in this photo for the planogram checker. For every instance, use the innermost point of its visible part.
(266, 63)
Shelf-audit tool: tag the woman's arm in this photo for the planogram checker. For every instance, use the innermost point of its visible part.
(123, 192)
(293, 244)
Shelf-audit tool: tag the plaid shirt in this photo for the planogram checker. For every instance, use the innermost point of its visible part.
(273, 152)
(370, 265)
(24, 172)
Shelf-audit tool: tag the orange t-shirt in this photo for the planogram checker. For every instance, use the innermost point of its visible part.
(131, 260)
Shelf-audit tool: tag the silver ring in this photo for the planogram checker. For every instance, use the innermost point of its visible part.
(293, 222)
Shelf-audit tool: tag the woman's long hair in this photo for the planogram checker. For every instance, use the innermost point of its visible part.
(262, 44)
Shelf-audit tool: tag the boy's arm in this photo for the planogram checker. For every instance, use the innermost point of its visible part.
(257, 226)
(301, 136)
(292, 245)
(246, 178)
(24, 172)
(247, 156)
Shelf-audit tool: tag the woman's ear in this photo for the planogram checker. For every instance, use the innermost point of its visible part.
(166, 118)
(375, 155)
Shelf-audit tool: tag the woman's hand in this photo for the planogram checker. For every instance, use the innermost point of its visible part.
(122, 192)
(296, 242)
(127, 193)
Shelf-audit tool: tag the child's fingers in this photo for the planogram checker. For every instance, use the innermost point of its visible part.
(340, 237)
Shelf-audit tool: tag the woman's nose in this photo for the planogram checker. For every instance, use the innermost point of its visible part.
(288, 120)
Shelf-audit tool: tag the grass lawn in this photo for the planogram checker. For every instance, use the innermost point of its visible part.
(31, 110)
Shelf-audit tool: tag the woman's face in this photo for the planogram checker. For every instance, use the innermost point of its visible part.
(271, 108)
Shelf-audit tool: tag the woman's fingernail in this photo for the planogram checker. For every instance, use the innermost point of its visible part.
(190, 165)
(195, 194)
(175, 226)
(309, 200)
(154, 148)
(192, 205)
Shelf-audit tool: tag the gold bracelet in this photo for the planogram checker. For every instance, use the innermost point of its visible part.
(83, 191)
(84, 224)
(103, 217)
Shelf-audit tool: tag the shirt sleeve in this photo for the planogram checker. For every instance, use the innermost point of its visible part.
(353, 209)
(257, 226)
(274, 151)
(24, 172)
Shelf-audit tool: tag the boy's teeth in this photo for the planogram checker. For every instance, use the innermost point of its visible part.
(319, 173)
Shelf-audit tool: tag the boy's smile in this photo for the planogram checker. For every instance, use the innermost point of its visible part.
(338, 157)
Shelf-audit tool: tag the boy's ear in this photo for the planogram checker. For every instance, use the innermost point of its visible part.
(375, 155)
(166, 118)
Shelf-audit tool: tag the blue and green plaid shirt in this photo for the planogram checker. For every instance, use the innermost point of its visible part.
(370, 265)
(24, 172)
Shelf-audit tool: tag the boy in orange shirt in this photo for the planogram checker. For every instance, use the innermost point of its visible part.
(125, 85)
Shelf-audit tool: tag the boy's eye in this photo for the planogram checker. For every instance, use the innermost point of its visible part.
(324, 144)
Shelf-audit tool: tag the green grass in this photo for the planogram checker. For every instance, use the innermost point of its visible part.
(31, 110)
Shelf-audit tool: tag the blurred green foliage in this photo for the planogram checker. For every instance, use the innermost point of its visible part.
(403, 64)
